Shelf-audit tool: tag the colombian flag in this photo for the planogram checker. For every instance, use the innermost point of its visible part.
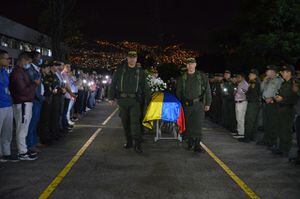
(166, 107)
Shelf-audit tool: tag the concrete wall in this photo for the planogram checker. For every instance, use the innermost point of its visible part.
(24, 33)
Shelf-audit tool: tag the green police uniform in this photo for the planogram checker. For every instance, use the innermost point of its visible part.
(227, 90)
(285, 115)
(254, 102)
(57, 97)
(232, 123)
(44, 123)
(194, 93)
(129, 87)
(269, 89)
(217, 100)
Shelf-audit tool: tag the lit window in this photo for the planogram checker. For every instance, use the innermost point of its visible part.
(21, 46)
(3, 43)
(49, 53)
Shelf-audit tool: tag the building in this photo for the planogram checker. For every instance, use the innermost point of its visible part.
(15, 38)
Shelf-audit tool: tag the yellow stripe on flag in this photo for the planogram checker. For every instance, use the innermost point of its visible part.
(154, 110)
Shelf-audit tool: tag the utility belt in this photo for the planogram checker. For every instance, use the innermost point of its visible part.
(191, 102)
(240, 101)
(126, 95)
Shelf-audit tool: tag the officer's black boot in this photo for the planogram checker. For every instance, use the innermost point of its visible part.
(138, 146)
(190, 144)
(298, 158)
(198, 148)
(128, 144)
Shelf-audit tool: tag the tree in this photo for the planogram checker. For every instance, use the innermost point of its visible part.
(267, 32)
(55, 23)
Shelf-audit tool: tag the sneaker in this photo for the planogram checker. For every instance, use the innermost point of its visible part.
(27, 156)
(34, 150)
(71, 123)
(238, 136)
(75, 119)
(9, 158)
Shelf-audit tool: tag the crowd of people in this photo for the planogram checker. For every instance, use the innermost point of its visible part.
(268, 103)
(41, 102)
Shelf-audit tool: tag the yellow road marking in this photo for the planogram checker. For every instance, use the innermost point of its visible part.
(251, 194)
(58, 179)
(107, 119)
(87, 126)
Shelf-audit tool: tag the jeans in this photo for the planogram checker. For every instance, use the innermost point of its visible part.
(31, 138)
(69, 110)
(91, 100)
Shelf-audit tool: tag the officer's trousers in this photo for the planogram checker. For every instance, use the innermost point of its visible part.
(194, 118)
(130, 114)
(44, 124)
(284, 127)
(269, 119)
(251, 120)
(55, 115)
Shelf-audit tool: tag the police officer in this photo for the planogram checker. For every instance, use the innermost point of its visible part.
(253, 96)
(226, 87)
(296, 89)
(58, 93)
(217, 98)
(194, 91)
(285, 100)
(232, 125)
(269, 88)
(44, 124)
(130, 88)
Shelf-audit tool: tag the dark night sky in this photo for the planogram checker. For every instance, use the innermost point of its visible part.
(188, 22)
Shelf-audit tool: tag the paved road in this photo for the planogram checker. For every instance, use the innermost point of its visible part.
(164, 170)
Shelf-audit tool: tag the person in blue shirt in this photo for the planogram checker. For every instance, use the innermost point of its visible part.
(35, 74)
(6, 111)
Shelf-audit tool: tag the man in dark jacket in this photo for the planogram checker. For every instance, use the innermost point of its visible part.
(23, 92)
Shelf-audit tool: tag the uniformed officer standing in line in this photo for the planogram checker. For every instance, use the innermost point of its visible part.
(296, 89)
(130, 88)
(225, 86)
(285, 100)
(58, 93)
(194, 91)
(232, 124)
(269, 88)
(44, 124)
(217, 98)
(253, 96)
